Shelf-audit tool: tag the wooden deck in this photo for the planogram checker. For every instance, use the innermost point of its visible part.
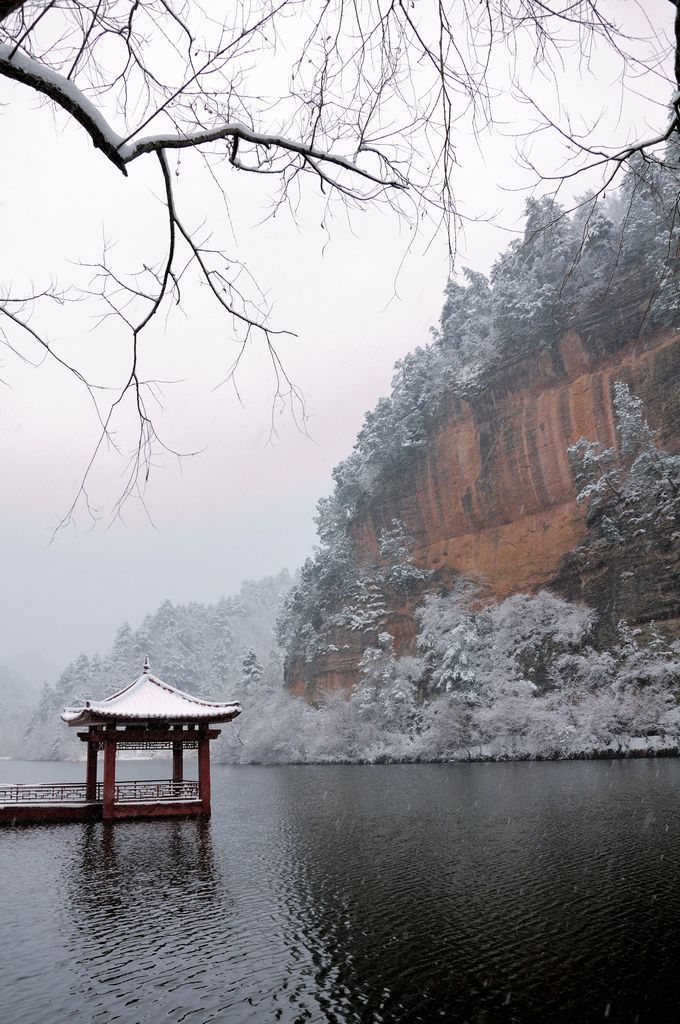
(66, 802)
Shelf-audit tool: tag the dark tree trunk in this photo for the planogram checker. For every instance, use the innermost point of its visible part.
(8, 7)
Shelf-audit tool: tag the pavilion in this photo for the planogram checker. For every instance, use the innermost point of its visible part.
(149, 714)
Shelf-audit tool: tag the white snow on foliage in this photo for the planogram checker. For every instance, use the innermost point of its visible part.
(517, 679)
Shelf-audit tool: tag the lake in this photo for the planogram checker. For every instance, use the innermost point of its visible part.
(480, 893)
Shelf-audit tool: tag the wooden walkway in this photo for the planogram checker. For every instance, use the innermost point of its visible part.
(66, 802)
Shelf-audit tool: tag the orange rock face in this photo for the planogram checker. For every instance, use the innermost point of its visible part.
(492, 495)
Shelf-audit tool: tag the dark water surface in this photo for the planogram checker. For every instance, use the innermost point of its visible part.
(463, 893)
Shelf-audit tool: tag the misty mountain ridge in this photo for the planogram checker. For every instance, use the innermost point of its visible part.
(196, 647)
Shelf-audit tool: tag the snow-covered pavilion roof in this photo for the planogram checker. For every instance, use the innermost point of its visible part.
(150, 698)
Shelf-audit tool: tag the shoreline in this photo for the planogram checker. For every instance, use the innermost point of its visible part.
(604, 755)
(481, 758)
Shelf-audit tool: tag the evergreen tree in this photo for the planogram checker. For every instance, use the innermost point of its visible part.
(251, 672)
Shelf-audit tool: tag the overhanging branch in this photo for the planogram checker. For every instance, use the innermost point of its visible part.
(8, 7)
(18, 66)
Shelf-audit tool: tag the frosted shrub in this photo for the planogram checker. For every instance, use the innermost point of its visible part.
(340, 733)
(449, 729)
(507, 719)
(520, 679)
(531, 632)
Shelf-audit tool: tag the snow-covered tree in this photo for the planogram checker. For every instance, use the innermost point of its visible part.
(251, 672)
(449, 641)
(635, 435)
(633, 491)
(466, 339)
(596, 471)
(449, 726)
(395, 547)
(388, 695)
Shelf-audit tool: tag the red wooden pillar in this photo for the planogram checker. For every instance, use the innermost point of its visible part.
(204, 768)
(177, 761)
(109, 775)
(91, 774)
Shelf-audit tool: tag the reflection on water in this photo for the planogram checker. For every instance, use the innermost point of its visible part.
(146, 906)
(467, 893)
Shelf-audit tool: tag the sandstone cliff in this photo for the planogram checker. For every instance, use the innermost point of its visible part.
(491, 495)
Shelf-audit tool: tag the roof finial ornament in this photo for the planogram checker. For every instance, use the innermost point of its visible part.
(147, 667)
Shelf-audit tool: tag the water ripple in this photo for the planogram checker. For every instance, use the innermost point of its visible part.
(472, 894)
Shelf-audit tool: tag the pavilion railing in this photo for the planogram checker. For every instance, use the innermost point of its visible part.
(155, 789)
(74, 792)
(47, 793)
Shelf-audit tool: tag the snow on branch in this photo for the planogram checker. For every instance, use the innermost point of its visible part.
(236, 130)
(20, 67)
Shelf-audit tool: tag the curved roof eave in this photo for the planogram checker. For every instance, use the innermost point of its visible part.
(147, 699)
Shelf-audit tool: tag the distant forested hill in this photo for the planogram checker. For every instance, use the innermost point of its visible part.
(209, 650)
(15, 709)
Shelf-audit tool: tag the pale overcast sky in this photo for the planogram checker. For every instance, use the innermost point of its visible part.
(244, 507)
